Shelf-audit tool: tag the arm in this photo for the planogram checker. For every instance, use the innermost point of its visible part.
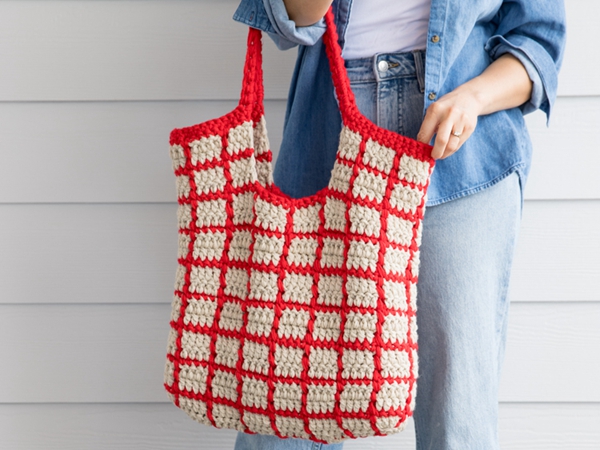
(529, 43)
(306, 12)
(503, 85)
(272, 17)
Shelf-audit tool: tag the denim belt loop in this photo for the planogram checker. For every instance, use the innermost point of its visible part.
(419, 57)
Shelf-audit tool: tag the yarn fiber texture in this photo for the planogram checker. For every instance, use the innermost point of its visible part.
(296, 317)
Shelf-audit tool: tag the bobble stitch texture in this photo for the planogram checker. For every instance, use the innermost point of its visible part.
(295, 317)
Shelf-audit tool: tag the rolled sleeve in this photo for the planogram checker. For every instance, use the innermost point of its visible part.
(533, 32)
(272, 17)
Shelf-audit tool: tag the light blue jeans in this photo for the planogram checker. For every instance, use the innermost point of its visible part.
(466, 256)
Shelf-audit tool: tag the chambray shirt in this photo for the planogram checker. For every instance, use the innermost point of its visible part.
(464, 37)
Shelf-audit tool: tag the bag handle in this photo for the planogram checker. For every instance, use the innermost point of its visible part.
(341, 82)
(253, 91)
(252, 95)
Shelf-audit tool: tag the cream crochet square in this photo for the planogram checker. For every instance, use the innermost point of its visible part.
(395, 295)
(368, 185)
(362, 255)
(362, 292)
(205, 149)
(209, 245)
(395, 364)
(258, 423)
(195, 345)
(227, 417)
(224, 385)
(291, 427)
(302, 251)
(200, 312)
(378, 156)
(293, 323)
(394, 329)
(227, 351)
(364, 220)
(399, 230)
(192, 378)
(211, 213)
(320, 398)
(332, 254)
(360, 327)
(355, 397)
(239, 246)
(413, 170)
(231, 317)
(240, 138)
(392, 395)
(269, 216)
(242, 171)
(236, 283)
(242, 205)
(205, 280)
(184, 216)
(335, 214)
(288, 361)
(256, 357)
(263, 285)
(287, 397)
(210, 180)
(182, 183)
(323, 363)
(298, 288)
(260, 320)
(405, 198)
(267, 249)
(326, 326)
(358, 364)
(330, 290)
(395, 261)
(306, 220)
(254, 393)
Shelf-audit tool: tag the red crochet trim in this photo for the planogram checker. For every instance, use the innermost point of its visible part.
(372, 210)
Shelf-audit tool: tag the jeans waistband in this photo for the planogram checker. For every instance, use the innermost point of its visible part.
(385, 66)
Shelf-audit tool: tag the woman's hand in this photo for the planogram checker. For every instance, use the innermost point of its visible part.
(453, 118)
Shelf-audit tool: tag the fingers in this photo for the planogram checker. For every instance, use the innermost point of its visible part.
(429, 125)
(442, 120)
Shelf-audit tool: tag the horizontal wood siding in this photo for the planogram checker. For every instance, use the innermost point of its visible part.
(119, 152)
(176, 50)
(89, 91)
(161, 426)
(115, 353)
(126, 253)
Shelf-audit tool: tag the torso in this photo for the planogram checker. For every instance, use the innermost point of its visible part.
(386, 26)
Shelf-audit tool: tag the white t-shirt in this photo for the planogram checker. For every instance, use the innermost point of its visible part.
(386, 26)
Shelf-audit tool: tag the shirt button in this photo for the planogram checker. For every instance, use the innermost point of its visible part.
(383, 66)
(435, 39)
(432, 96)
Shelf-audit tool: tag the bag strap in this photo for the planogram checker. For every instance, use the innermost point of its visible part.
(252, 95)
(253, 91)
(341, 82)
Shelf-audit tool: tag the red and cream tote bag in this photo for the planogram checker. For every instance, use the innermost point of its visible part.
(296, 317)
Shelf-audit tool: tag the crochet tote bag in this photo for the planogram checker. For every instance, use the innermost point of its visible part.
(296, 317)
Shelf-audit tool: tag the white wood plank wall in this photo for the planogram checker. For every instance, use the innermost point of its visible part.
(89, 91)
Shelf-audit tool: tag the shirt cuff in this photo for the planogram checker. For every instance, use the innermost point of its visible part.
(538, 96)
(543, 92)
(272, 17)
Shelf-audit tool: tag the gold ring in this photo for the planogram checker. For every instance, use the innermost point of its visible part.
(454, 133)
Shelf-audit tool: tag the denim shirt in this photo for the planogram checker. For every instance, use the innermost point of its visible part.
(464, 37)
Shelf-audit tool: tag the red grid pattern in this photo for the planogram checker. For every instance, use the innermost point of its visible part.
(237, 400)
